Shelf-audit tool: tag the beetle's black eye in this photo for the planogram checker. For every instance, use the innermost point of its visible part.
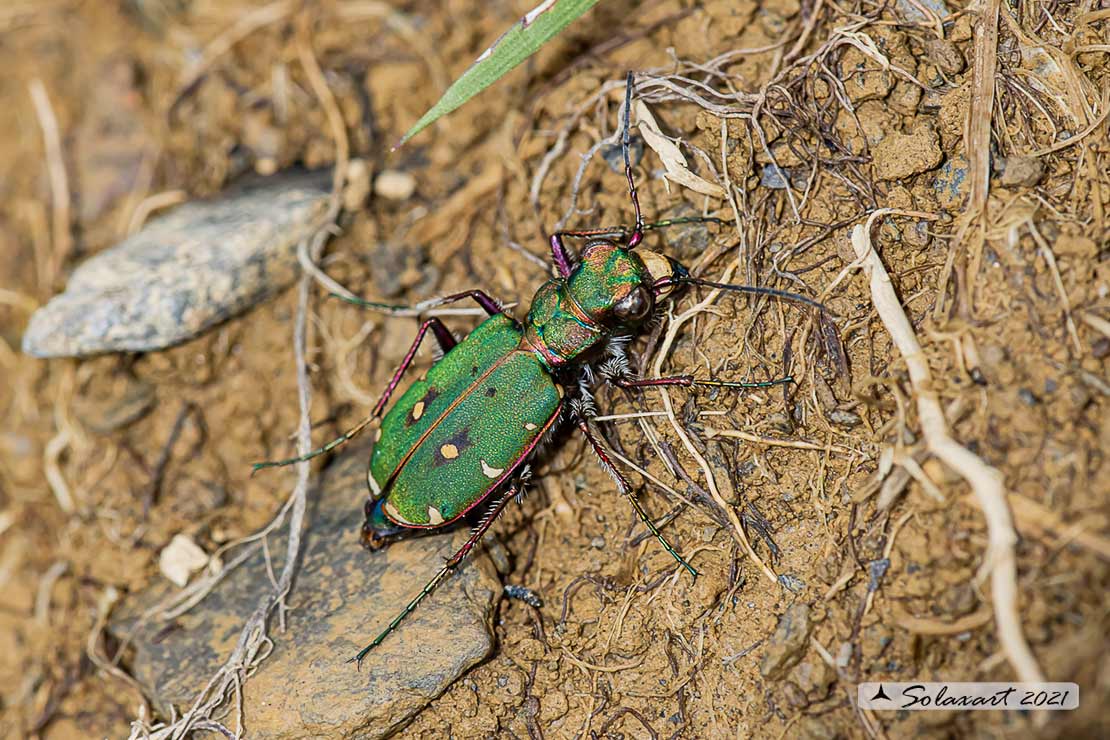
(634, 306)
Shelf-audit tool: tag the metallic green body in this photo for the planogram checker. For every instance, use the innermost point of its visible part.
(569, 318)
(459, 433)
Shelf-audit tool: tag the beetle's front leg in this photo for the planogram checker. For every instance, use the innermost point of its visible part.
(626, 490)
(616, 372)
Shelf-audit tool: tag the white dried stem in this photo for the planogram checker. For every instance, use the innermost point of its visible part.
(986, 482)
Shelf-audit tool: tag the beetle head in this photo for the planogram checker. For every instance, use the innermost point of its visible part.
(611, 284)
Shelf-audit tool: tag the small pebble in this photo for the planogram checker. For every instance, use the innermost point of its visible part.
(1020, 172)
(849, 419)
(395, 185)
(181, 559)
(774, 177)
(357, 187)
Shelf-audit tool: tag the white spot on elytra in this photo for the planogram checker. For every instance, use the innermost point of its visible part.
(391, 510)
(434, 517)
(417, 410)
(530, 426)
(449, 451)
(491, 472)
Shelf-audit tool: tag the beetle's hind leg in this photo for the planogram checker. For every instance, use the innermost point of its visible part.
(626, 490)
(479, 531)
(446, 343)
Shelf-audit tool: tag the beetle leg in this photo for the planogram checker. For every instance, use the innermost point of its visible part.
(489, 305)
(559, 254)
(483, 526)
(446, 343)
(626, 489)
(689, 380)
(623, 232)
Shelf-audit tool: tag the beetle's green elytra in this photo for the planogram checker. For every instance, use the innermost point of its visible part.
(467, 427)
(458, 441)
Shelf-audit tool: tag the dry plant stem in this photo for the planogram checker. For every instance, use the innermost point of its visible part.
(985, 481)
(1050, 259)
(222, 44)
(59, 443)
(1032, 515)
(153, 203)
(342, 152)
(1098, 121)
(710, 433)
(661, 355)
(921, 626)
(977, 141)
(59, 182)
(104, 605)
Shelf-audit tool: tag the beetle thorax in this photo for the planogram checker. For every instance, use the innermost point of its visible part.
(570, 317)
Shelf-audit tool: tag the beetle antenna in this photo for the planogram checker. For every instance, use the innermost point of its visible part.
(638, 229)
(752, 290)
(828, 334)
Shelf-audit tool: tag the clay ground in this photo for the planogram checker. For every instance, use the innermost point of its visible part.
(1007, 294)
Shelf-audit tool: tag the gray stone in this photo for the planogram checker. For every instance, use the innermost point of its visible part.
(1023, 172)
(341, 598)
(182, 273)
(912, 13)
(774, 177)
(788, 644)
(952, 184)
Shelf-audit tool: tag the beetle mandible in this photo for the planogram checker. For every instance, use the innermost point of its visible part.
(462, 435)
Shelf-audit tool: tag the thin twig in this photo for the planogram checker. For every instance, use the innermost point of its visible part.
(59, 182)
(985, 481)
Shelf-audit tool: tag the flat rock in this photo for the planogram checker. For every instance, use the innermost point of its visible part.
(183, 272)
(341, 598)
(789, 642)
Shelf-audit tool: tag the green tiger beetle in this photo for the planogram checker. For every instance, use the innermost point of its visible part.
(463, 434)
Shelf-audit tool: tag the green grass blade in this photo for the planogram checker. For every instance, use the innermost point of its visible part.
(515, 45)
